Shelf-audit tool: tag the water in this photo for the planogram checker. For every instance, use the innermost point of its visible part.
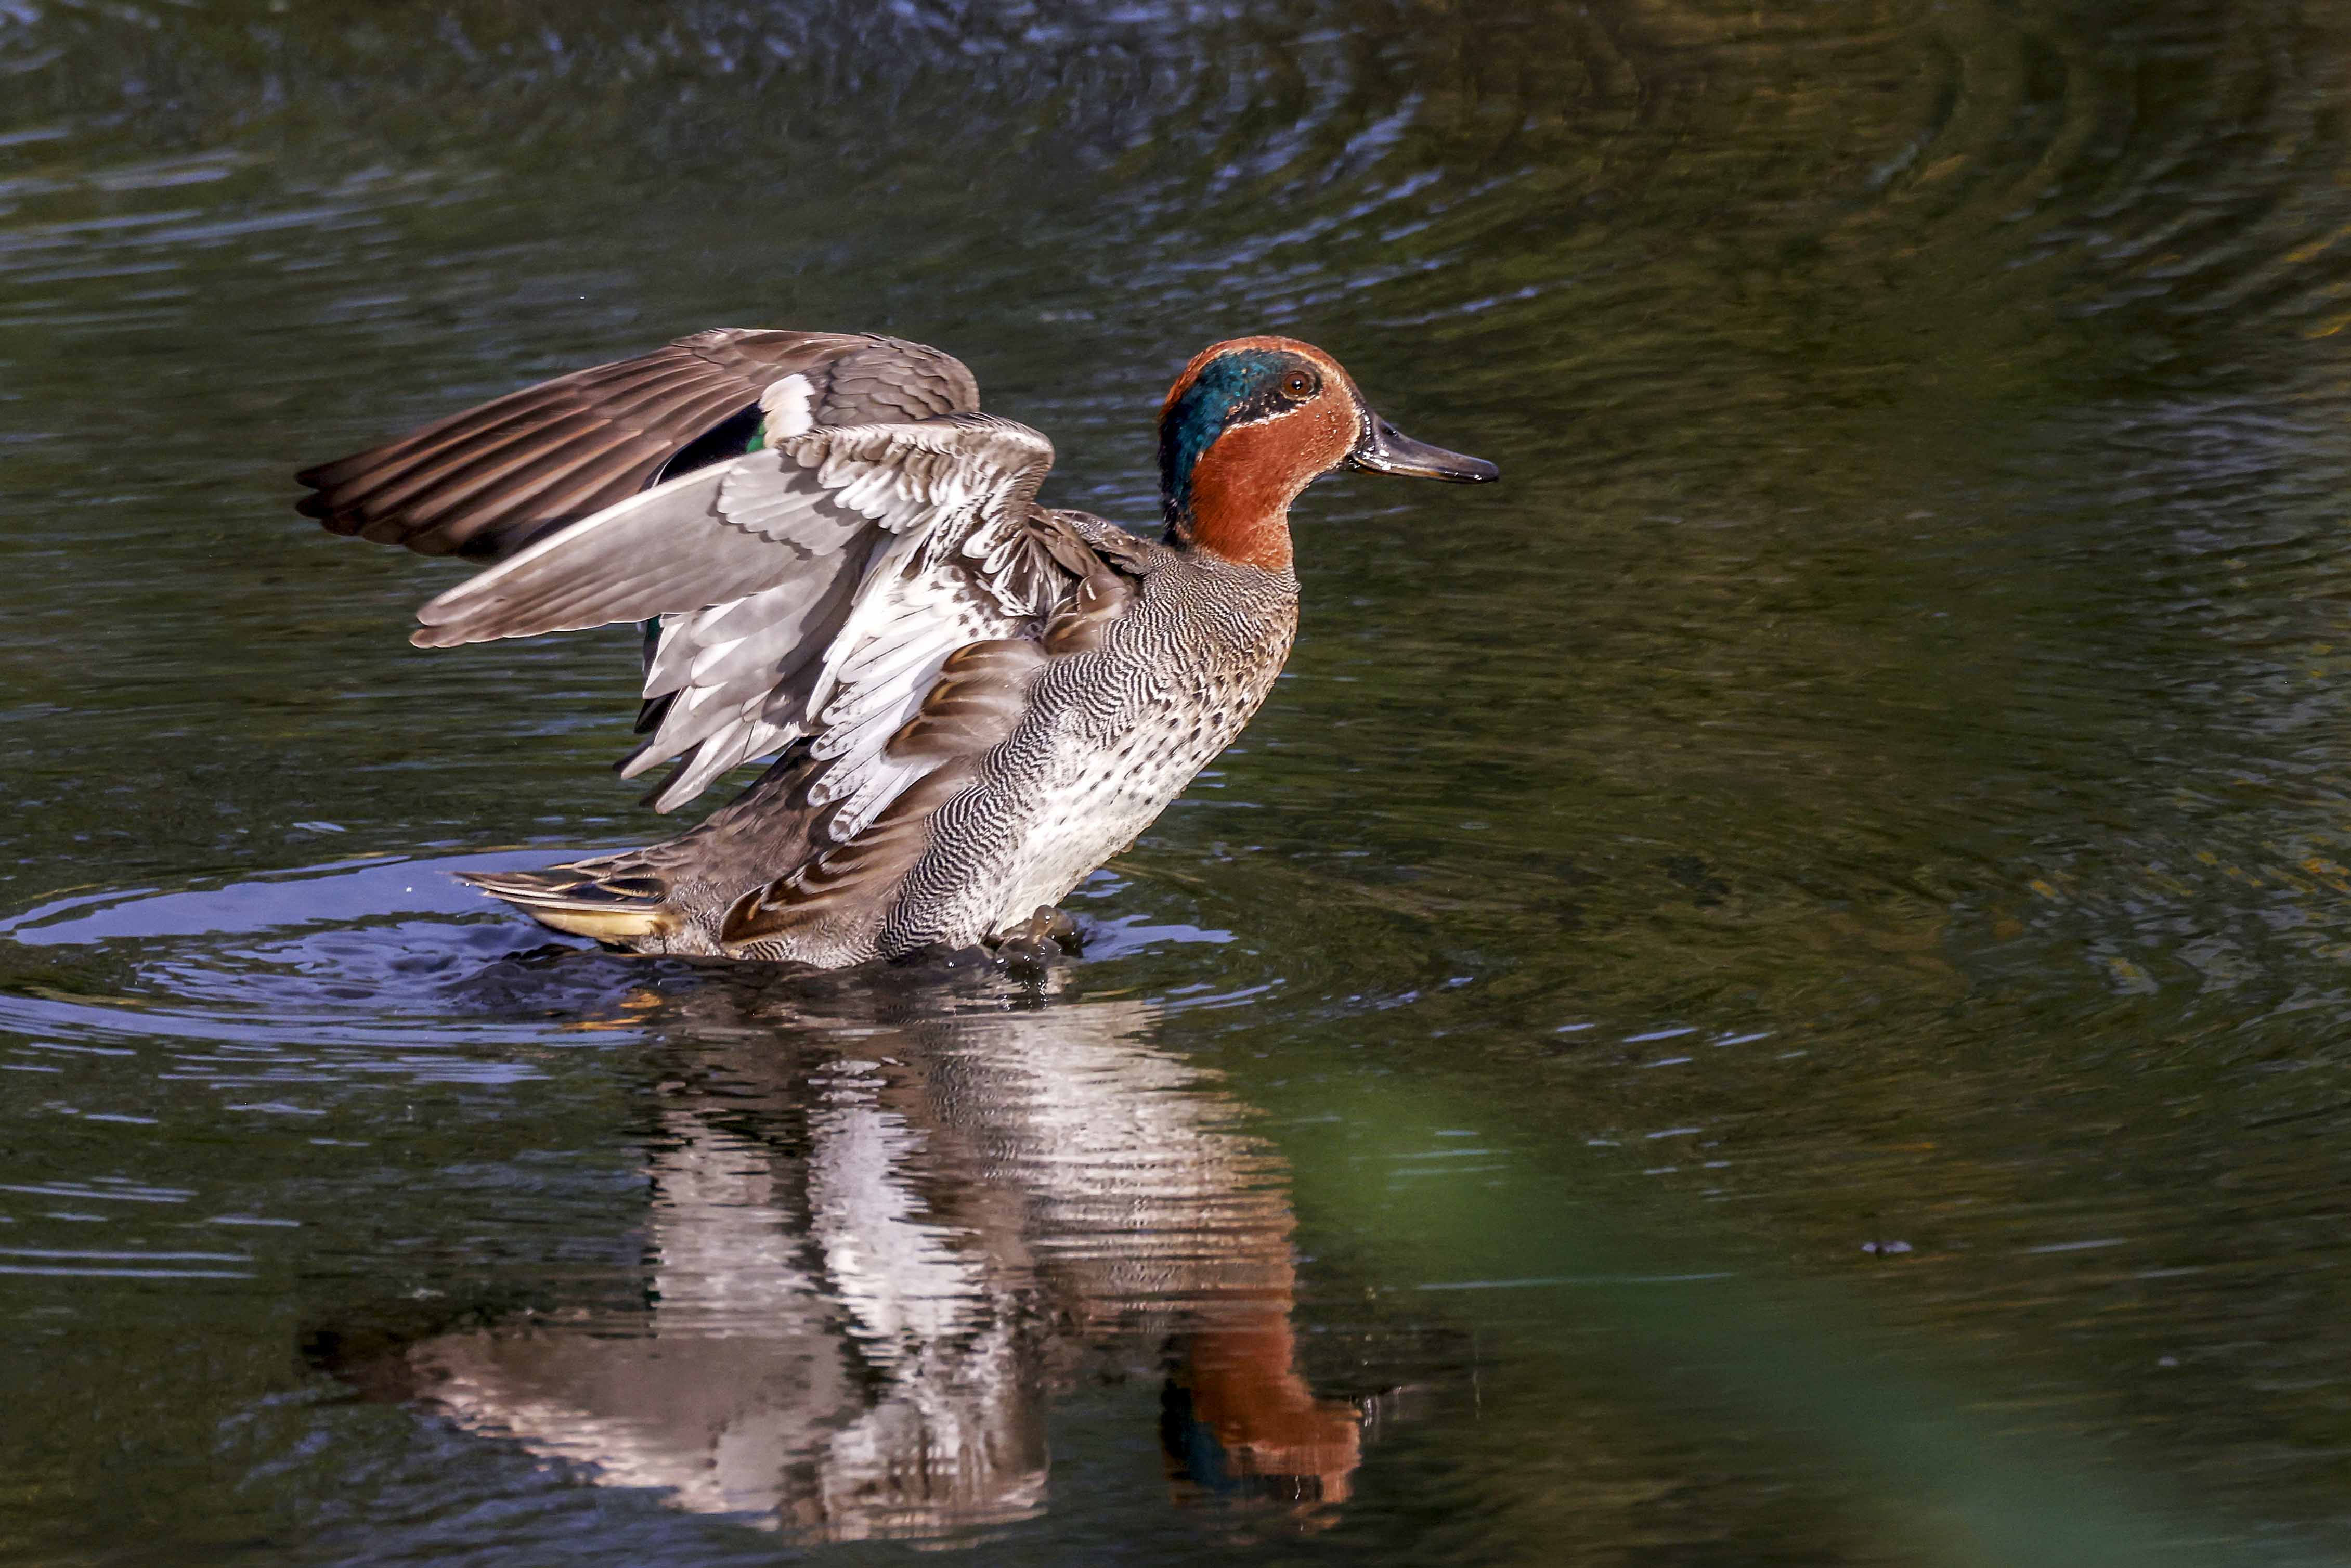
(1770, 989)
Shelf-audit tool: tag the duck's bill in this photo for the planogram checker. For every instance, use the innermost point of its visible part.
(1384, 449)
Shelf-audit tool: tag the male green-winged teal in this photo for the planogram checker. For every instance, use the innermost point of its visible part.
(973, 700)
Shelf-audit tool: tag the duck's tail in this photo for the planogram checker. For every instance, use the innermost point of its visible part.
(595, 899)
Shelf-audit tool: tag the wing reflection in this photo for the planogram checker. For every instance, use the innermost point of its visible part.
(877, 1249)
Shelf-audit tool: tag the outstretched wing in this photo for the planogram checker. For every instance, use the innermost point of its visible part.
(809, 588)
(487, 482)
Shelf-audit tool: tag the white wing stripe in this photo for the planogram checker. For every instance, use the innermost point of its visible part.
(789, 406)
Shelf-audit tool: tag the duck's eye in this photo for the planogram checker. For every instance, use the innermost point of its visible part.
(1300, 386)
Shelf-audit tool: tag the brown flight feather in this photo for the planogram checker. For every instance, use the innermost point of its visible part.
(493, 478)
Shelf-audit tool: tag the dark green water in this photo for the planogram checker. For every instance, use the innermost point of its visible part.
(1771, 989)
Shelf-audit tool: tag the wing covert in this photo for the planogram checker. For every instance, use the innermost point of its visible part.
(962, 484)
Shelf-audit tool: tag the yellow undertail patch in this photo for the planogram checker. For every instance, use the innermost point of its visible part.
(574, 911)
(603, 924)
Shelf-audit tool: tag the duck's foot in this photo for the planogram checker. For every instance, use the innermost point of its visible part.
(1033, 943)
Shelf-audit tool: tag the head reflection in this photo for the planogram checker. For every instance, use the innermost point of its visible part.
(876, 1249)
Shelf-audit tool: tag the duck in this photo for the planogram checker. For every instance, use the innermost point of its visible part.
(966, 700)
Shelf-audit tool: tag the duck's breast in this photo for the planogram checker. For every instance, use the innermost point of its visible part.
(1113, 733)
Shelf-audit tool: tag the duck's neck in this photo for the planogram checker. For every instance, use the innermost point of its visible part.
(1234, 503)
(1260, 540)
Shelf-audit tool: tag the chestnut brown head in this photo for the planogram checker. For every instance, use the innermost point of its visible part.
(1251, 422)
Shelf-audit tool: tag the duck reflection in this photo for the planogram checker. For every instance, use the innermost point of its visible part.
(875, 1250)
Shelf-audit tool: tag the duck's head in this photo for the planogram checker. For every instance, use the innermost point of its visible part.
(1251, 422)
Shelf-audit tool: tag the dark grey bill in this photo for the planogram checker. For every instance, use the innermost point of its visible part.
(1384, 449)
